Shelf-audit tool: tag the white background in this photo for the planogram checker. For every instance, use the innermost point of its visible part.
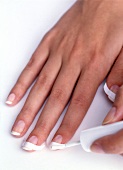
(22, 25)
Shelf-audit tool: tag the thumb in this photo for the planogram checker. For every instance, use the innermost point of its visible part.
(111, 144)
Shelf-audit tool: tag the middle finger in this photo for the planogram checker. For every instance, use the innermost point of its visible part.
(56, 103)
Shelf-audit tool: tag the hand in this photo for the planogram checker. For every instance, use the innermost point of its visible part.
(113, 144)
(73, 58)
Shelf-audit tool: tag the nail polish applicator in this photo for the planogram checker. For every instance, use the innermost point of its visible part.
(87, 137)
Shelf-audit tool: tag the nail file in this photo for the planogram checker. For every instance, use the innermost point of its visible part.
(30, 146)
(110, 94)
(87, 137)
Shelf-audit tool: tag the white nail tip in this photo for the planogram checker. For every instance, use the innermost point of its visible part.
(30, 146)
(15, 133)
(8, 102)
(58, 146)
(110, 94)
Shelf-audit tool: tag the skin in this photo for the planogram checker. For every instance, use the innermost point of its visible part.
(89, 42)
(113, 144)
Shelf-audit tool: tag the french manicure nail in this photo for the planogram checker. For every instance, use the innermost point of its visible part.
(58, 139)
(31, 144)
(110, 115)
(33, 139)
(96, 147)
(10, 98)
(18, 128)
(114, 88)
(15, 133)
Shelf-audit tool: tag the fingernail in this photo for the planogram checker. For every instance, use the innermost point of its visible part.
(33, 139)
(114, 88)
(96, 147)
(31, 144)
(10, 98)
(18, 128)
(111, 115)
(58, 139)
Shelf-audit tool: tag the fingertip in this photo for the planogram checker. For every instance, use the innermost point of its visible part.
(15, 133)
(62, 136)
(58, 139)
(10, 99)
(18, 128)
(31, 144)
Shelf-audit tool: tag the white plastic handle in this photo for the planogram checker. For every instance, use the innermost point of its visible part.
(87, 137)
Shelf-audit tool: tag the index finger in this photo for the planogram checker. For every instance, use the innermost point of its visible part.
(28, 75)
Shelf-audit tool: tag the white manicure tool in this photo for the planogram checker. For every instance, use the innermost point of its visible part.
(87, 137)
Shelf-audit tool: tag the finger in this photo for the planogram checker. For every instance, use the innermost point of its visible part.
(116, 112)
(115, 78)
(29, 74)
(36, 97)
(112, 144)
(57, 101)
(81, 100)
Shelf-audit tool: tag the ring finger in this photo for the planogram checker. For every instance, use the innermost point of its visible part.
(36, 97)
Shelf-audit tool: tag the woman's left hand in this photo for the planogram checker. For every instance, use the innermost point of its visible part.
(113, 144)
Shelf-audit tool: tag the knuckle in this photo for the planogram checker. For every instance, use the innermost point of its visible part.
(20, 85)
(43, 80)
(42, 127)
(27, 112)
(78, 100)
(58, 95)
(93, 66)
(31, 62)
(50, 35)
(94, 62)
(66, 130)
(75, 56)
